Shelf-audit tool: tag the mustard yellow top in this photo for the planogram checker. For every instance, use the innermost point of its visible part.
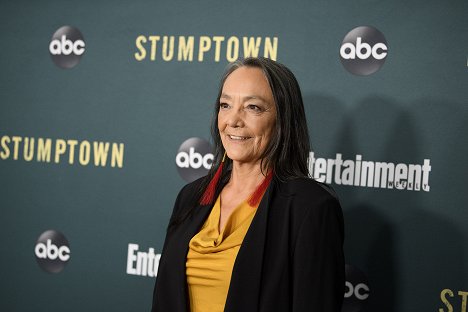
(211, 257)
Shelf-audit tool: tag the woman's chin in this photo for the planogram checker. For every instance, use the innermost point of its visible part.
(243, 160)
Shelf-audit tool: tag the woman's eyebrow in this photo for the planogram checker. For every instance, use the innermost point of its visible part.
(245, 98)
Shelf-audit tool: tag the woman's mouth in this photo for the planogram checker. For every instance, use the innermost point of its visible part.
(237, 137)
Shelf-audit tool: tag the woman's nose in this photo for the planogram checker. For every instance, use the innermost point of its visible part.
(235, 118)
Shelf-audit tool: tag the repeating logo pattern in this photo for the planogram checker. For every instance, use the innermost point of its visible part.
(66, 47)
(356, 290)
(363, 50)
(194, 159)
(52, 251)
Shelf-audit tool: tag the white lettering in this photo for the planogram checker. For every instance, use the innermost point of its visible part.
(66, 47)
(365, 173)
(142, 263)
(363, 50)
(194, 159)
(51, 251)
(360, 291)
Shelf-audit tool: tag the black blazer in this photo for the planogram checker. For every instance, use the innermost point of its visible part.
(291, 258)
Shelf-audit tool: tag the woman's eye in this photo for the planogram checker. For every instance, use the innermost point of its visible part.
(254, 107)
(223, 105)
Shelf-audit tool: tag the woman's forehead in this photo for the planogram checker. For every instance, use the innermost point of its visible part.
(247, 82)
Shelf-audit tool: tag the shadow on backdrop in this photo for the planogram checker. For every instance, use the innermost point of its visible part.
(402, 239)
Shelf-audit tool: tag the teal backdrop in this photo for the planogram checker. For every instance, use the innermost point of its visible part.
(411, 245)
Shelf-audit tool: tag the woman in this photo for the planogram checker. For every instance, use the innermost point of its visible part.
(255, 234)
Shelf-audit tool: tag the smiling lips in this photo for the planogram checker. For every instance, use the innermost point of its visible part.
(237, 138)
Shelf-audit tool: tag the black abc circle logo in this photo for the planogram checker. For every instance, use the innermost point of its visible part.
(194, 159)
(363, 50)
(52, 251)
(66, 47)
(356, 290)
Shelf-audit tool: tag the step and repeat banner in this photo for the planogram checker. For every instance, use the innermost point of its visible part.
(105, 110)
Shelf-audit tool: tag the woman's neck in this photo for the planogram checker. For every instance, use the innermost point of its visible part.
(246, 176)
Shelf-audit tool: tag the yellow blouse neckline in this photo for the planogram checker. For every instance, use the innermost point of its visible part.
(210, 239)
(212, 254)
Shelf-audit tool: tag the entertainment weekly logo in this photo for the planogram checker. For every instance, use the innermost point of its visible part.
(367, 173)
(142, 263)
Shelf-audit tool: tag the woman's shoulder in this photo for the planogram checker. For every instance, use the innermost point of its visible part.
(193, 186)
(185, 201)
(313, 201)
(190, 190)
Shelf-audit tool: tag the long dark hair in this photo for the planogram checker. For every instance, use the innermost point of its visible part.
(288, 149)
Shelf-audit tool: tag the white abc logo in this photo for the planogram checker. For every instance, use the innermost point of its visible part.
(363, 50)
(66, 46)
(349, 51)
(51, 251)
(194, 160)
(360, 291)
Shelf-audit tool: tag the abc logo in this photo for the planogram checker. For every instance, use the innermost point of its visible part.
(356, 290)
(66, 47)
(363, 50)
(194, 159)
(52, 251)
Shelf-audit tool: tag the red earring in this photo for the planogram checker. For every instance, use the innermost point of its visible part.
(208, 195)
(258, 193)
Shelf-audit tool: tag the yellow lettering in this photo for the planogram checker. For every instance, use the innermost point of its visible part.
(154, 40)
(6, 150)
(271, 49)
(205, 45)
(218, 40)
(168, 53)
(186, 48)
(445, 301)
(232, 49)
(60, 148)
(117, 155)
(100, 153)
(464, 295)
(71, 154)
(139, 56)
(16, 140)
(251, 46)
(43, 149)
(28, 149)
(85, 152)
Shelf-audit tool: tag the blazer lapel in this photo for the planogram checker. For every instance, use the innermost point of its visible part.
(244, 289)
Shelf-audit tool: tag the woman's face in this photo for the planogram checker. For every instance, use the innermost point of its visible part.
(247, 114)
